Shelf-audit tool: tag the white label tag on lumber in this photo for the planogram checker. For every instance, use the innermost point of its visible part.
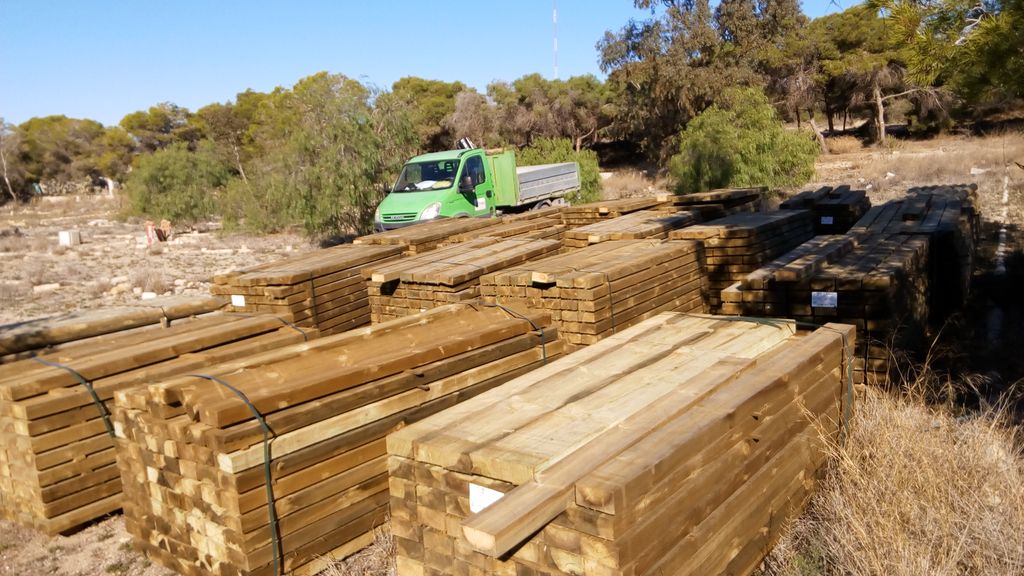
(824, 299)
(826, 220)
(481, 497)
(238, 300)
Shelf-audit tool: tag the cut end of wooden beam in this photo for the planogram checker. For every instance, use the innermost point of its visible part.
(542, 278)
(481, 541)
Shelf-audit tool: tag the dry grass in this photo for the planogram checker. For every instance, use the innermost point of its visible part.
(629, 184)
(916, 490)
(14, 291)
(843, 144)
(150, 280)
(377, 559)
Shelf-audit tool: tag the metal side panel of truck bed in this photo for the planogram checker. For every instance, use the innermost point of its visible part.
(547, 180)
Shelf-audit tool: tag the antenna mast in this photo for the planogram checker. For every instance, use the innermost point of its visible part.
(554, 23)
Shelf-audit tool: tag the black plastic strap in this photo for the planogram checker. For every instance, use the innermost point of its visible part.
(100, 406)
(611, 305)
(513, 313)
(267, 472)
(305, 337)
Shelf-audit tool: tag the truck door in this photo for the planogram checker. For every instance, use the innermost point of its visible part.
(483, 187)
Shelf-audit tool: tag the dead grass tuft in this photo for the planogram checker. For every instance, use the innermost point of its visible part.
(916, 490)
(627, 184)
(150, 280)
(843, 144)
(377, 559)
(14, 291)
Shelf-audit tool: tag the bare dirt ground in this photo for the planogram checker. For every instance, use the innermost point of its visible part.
(114, 265)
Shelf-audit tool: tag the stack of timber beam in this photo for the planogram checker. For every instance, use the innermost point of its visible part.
(901, 269)
(584, 214)
(19, 340)
(737, 245)
(554, 212)
(835, 209)
(717, 203)
(445, 276)
(426, 236)
(679, 446)
(593, 292)
(323, 290)
(947, 215)
(549, 228)
(636, 226)
(57, 459)
(192, 454)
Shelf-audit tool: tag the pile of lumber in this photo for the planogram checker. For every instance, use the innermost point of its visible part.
(426, 236)
(57, 461)
(593, 292)
(717, 203)
(192, 453)
(901, 269)
(445, 276)
(737, 245)
(583, 214)
(635, 226)
(545, 228)
(323, 289)
(835, 209)
(947, 215)
(879, 284)
(680, 446)
(20, 339)
(554, 212)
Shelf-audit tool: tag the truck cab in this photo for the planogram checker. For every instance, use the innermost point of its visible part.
(450, 184)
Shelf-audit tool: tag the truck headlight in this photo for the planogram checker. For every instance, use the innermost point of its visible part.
(431, 212)
(376, 214)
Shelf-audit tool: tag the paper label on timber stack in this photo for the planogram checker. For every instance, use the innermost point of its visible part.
(824, 299)
(480, 497)
(238, 300)
(826, 220)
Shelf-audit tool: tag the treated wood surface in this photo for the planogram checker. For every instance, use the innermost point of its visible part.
(627, 457)
(43, 332)
(324, 289)
(191, 456)
(57, 463)
(595, 291)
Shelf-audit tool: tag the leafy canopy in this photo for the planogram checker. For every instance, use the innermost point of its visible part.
(740, 141)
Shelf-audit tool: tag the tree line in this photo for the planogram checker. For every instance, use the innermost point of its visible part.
(699, 90)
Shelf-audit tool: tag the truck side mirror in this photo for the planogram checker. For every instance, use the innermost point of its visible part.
(466, 186)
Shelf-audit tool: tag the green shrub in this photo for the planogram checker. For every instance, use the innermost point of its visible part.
(176, 183)
(555, 150)
(740, 141)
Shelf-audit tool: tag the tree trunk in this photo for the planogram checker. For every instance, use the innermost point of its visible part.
(830, 114)
(876, 92)
(846, 114)
(817, 133)
(238, 162)
(3, 160)
(798, 126)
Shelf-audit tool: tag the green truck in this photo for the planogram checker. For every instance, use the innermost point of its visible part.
(472, 183)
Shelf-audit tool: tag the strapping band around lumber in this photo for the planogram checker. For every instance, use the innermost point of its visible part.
(305, 337)
(88, 386)
(847, 360)
(267, 473)
(513, 313)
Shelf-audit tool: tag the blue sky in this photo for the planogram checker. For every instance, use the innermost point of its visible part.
(102, 59)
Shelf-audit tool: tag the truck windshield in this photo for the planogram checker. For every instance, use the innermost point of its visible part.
(433, 175)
